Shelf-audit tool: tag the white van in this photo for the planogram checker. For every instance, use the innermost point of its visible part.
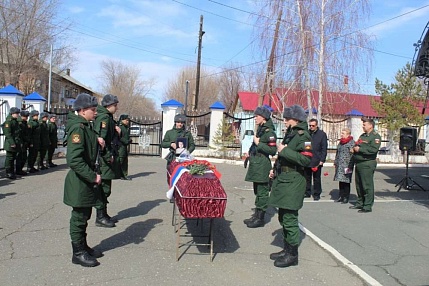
(135, 130)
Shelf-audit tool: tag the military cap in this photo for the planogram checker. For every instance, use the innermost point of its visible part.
(84, 100)
(123, 117)
(262, 111)
(52, 115)
(44, 114)
(34, 112)
(297, 112)
(180, 118)
(109, 99)
(14, 110)
(25, 113)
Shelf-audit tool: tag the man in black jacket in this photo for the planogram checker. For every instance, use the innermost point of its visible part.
(319, 142)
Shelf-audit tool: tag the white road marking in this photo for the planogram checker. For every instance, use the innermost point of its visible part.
(365, 276)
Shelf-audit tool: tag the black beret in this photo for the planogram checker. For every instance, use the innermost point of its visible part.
(25, 113)
(109, 99)
(262, 111)
(180, 118)
(34, 112)
(44, 114)
(14, 110)
(84, 100)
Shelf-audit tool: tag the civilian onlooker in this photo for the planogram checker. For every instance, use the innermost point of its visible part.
(344, 165)
(319, 142)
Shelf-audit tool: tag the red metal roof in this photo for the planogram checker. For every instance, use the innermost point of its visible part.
(335, 103)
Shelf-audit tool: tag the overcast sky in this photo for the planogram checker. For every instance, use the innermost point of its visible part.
(161, 36)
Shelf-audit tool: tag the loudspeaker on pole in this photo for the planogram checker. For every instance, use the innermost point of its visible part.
(407, 139)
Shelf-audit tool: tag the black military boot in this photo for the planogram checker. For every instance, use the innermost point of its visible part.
(52, 165)
(290, 259)
(112, 219)
(81, 256)
(258, 221)
(102, 220)
(21, 173)
(252, 217)
(93, 252)
(277, 255)
(11, 176)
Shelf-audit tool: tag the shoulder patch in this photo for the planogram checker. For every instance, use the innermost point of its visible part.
(377, 141)
(103, 124)
(268, 129)
(76, 138)
(307, 145)
(6, 125)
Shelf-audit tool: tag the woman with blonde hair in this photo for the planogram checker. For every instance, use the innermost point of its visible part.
(344, 165)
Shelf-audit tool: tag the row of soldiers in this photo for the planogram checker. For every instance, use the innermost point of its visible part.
(29, 140)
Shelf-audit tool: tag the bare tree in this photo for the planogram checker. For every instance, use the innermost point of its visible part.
(124, 81)
(230, 82)
(28, 28)
(209, 88)
(318, 42)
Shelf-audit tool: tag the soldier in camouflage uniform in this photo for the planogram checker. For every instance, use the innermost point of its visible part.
(288, 189)
(80, 186)
(13, 142)
(263, 146)
(53, 139)
(124, 124)
(364, 157)
(178, 131)
(44, 140)
(105, 127)
(25, 129)
(34, 146)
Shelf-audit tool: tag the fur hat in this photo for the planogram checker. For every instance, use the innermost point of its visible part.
(44, 114)
(109, 99)
(180, 118)
(286, 112)
(298, 113)
(25, 113)
(262, 111)
(123, 117)
(14, 110)
(84, 100)
(34, 112)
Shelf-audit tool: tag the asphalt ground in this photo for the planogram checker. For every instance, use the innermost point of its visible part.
(389, 246)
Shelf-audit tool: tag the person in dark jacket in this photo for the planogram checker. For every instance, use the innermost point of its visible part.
(53, 139)
(34, 146)
(344, 165)
(105, 127)
(25, 129)
(288, 189)
(319, 141)
(175, 135)
(80, 186)
(124, 124)
(13, 141)
(44, 140)
(263, 146)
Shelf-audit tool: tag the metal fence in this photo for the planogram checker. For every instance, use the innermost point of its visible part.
(146, 134)
(199, 126)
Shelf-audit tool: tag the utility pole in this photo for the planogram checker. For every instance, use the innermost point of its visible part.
(50, 79)
(268, 83)
(197, 83)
